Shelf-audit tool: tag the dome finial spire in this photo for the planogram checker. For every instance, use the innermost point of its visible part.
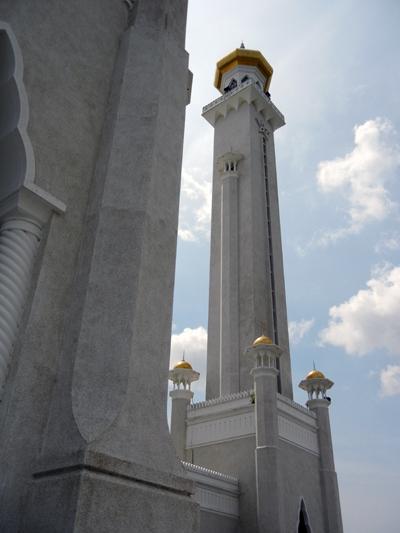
(242, 45)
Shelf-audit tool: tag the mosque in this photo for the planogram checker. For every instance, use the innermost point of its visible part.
(92, 111)
(260, 461)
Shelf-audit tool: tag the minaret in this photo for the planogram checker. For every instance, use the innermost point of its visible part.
(317, 385)
(182, 376)
(247, 291)
(264, 356)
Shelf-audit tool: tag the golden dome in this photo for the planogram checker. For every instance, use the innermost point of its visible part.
(183, 364)
(242, 56)
(262, 340)
(315, 374)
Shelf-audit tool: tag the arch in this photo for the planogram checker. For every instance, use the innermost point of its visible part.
(16, 154)
(303, 525)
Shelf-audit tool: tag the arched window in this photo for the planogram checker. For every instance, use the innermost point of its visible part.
(304, 526)
(14, 158)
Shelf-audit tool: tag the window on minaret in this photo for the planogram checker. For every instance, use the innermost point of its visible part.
(232, 85)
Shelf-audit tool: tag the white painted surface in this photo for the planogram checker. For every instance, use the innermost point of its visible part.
(228, 419)
(214, 491)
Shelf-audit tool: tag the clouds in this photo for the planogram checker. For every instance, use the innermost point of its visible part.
(195, 211)
(389, 242)
(195, 202)
(361, 177)
(192, 341)
(369, 320)
(297, 330)
(390, 380)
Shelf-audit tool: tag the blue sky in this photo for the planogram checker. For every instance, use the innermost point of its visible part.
(337, 81)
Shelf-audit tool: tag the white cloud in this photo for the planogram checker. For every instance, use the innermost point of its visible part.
(195, 210)
(192, 341)
(369, 320)
(361, 177)
(195, 203)
(297, 330)
(390, 380)
(388, 243)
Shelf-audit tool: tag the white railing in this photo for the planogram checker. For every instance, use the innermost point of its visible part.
(239, 88)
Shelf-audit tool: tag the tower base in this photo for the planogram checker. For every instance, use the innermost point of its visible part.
(102, 494)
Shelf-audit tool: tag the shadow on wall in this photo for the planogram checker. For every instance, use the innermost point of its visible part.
(13, 160)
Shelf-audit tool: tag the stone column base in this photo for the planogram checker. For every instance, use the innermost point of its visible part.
(106, 495)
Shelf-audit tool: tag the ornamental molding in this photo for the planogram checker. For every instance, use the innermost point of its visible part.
(250, 93)
(233, 482)
(213, 491)
(233, 418)
(214, 501)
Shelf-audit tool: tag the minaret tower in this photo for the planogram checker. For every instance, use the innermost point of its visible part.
(247, 290)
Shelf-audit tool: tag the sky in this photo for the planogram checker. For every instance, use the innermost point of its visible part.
(337, 81)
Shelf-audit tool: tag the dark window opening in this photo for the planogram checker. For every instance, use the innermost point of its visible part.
(232, 85)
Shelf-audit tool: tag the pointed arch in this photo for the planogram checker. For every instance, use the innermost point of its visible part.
(303, 524)
(16, 154)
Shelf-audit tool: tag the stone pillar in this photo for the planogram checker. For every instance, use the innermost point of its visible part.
(180, 401)
(22, 217)
(108, 461)
(229, 309)
(267, 437)
(19, 241)
(330, 489)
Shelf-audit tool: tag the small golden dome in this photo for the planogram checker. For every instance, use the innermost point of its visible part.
(243, 56)
(315, 374)
(183, 364)
(262, 340)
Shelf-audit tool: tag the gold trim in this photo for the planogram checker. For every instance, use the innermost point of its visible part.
(242, 56)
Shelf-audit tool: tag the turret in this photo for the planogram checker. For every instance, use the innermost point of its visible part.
(182, 376)
(265, 355)
(317, 385)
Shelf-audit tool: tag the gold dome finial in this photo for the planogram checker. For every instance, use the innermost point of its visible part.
(315, 374)
(183, 364)
(262, 340)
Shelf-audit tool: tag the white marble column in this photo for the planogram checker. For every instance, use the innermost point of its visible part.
(267, 437)
(229, 309)
(22, 217)
(19, 241)
(330, 489)
(181, 399)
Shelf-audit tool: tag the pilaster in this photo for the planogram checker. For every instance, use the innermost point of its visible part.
(229, 312)
(108, 462)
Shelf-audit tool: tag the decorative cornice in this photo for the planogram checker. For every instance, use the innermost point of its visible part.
(249, 92)
(190, 467)
(221, 399)
(295, 405)
(213, 491)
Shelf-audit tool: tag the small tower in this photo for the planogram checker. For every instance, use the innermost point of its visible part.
(266, 355)
(182, 376)
(317, 385)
